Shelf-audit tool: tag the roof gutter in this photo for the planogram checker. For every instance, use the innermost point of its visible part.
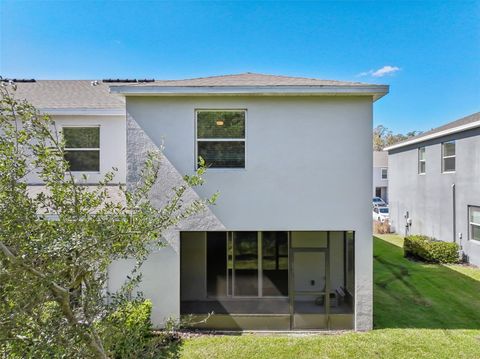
(83, 111)
(449, 131)
(376, 91)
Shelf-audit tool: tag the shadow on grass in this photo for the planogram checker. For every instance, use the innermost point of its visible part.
(172, 350)
(409, 294)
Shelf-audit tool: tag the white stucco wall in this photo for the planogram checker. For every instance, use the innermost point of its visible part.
(112, 144)
(308, 167)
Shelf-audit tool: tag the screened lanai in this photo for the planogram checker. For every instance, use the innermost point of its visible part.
(268, 279)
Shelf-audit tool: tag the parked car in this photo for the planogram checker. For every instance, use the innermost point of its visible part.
(381, 214)
(378, 202)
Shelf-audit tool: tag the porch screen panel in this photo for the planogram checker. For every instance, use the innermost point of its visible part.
(350, 263)
(275, 263)
(216, 264)
(245, 248)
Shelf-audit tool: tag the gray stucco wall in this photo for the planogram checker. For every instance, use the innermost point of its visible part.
(308, 167)
(428, 198)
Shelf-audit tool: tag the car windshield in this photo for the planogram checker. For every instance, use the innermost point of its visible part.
(383, 210)
(377, 200)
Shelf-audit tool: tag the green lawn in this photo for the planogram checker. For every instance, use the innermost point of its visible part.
(420, 311)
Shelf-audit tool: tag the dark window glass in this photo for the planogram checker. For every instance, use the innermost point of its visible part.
(216, 264)
(228, 124)
(81, 137)
(246, 263)
(350, 262)
(83, 160)
(275, 263)
(422, 167)
(476, 232)
(217, 154)
(449, 164)
(384, 173)
(216, 131)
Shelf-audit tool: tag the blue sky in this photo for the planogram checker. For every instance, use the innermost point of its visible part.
(429, 52)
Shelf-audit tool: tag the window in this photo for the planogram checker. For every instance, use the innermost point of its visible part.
(384, 173)
(82, 148)
(247, 264)
(221, 138)
(448, 156)
(421, 161)
(474, 219)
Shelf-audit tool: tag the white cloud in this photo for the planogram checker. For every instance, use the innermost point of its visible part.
(383, 71)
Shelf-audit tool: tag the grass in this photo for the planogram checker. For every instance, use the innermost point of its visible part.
(420, 311)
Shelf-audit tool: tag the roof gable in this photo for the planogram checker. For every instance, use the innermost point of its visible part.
(462, 124)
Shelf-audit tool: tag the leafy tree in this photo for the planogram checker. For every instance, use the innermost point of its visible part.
(383, 137)
(56, 245)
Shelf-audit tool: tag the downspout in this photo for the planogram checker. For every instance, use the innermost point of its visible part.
(454, 214)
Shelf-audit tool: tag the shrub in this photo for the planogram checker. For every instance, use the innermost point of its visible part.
(381, 227)
(127, 332)
(430, 250)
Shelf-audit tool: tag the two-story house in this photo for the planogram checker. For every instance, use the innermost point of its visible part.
(289, 243)
(434, 185)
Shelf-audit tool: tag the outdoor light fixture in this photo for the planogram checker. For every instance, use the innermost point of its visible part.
(219, 122)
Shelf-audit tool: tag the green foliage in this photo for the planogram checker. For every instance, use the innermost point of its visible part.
(127, 330)
(57, 244)
(431, 250)
(383, 137)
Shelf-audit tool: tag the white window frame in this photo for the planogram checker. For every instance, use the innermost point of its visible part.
(79, 149)
(471, 224)
(445, 157)
(197, 111)
(386, 173)
(420, 160)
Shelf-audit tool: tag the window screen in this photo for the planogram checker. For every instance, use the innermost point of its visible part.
(474, 216)
(275, 263)
(246, 263)
(221, 138)
(216, 264)
(82, 148)
(421, 160)
(448, 154)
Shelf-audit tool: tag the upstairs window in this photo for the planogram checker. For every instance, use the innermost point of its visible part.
(221, 138)
(384, 173)
(82, 146)
(422, 163)
(448, 156)
(474, 220)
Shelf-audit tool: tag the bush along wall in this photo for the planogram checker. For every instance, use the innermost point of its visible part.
(431, 250)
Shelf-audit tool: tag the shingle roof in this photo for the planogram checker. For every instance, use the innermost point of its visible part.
(451, 127)
(68, 94)
(250, 79)
(80, 94)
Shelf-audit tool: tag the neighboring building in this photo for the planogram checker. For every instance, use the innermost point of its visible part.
(435, 181)
(83, 109)
(380, 175)
(289, 243)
